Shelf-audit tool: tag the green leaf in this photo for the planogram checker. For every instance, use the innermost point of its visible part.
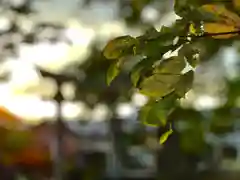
(119, 47)
(164, 78)
(165, 136)
(112, 72)
(155, 48)
(184, 7)
(150, 34)
(156, 86)
(135, 74)
(185, 83)
(155, 113)
(172, 65)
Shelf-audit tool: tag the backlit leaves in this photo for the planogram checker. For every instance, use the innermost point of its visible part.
(164, 78)
(160, 78)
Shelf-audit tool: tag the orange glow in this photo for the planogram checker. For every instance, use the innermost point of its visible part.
(8, 119)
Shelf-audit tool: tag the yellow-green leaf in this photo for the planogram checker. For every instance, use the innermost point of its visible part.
(220, 28)
(120, 46)
(223, 14)
(236, 4)
(165, 136)
(196, 29)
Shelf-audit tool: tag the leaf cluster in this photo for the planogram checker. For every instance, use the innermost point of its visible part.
(166, 79)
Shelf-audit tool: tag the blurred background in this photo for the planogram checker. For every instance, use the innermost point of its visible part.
(51, 48)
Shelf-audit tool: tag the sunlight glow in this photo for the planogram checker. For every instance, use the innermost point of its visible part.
(100, 113)
(139, 100)
(79, 35)
(206, 102)
(126, 111)
(150, 14)
(52, 57)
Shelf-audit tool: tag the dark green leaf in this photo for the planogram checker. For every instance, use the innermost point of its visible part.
(136, 74)
(189, 10)
(113, 71)
(141, 70)
(150, 34)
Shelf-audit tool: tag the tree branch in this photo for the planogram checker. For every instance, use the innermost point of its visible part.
(218, 34)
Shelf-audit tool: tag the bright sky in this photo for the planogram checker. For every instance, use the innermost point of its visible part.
(21, 93)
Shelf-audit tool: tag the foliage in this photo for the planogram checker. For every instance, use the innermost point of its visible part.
(203, 27)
